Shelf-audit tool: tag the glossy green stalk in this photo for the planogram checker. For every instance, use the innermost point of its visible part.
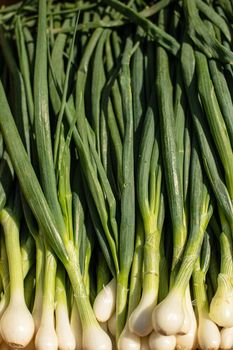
(127, 221)
(170, 161)
(153, 30)
(202, 37)
(6, 178)
(223, 94)
(98, 82)
(200, 214)
(150, 199)
(42, 121)
(113, 68)
(24, 67)
(215, 119)
(214, 17)
(208, 151)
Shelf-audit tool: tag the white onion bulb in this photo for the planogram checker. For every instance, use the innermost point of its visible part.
(162, 342)
(226, 338)
(221, 306)
(17, 325)
(168, 316)
(94, 338)
(66, 338)
(104, 304)
(46, 336)
(208, 334)
(140, 321)
(188, 341)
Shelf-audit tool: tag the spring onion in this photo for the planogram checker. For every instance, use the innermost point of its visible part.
(116, 175)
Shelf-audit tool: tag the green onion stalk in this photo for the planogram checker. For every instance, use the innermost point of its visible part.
(208, 44)
(164, 93)
(209, 155)
(150, 198)
(127, 220)
(214, 117)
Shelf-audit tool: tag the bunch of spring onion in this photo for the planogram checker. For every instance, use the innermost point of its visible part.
(116, 181)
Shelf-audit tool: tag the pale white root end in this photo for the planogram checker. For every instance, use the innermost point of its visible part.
(145, 343)
(4, 346)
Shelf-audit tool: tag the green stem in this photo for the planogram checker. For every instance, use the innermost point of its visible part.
(163, 271)
(200, 290)
(153, 30)
(136, 271)
(48, 302)
(192, 252)
(83, 303)
(60, 292)
(151, 260)
(29, 287)
(39, 282)
(11, 231)
(121, 302)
